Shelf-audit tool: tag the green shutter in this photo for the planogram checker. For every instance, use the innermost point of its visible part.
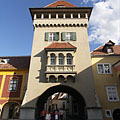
(63, 36)
(46, 36)
(74, 36)
(57, 36)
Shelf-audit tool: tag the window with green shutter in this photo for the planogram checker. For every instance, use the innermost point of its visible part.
(68, 36)
(51, 36)
(73, 35)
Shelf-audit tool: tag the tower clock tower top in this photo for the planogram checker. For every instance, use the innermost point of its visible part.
(61, 9)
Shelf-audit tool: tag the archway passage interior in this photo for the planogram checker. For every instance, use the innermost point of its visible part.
(74, 104)
(11, 111)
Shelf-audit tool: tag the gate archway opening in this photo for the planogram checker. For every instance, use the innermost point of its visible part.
(11, 111)
(73, 105)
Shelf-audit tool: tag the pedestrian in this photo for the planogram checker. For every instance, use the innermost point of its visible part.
(64, 115)
(48, 116)
(61, 114)
(43, 113)
(56, 116)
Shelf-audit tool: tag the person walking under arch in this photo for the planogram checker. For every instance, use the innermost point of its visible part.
(48, 116)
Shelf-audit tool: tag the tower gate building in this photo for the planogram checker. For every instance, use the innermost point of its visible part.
(60, 60)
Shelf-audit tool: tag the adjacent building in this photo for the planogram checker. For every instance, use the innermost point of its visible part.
(13, 81)
(106, 69)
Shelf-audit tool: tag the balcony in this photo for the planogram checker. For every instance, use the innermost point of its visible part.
(65, 69)
(60, 73)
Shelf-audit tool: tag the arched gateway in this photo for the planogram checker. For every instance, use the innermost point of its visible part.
(60, 60)
(65, 89)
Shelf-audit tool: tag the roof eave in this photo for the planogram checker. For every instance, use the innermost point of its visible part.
(33, 10)
(105, 55)
(57, 49)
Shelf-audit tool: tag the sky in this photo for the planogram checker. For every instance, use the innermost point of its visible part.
(16, 27)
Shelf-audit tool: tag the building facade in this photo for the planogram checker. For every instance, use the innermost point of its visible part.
(60, 60)
(13, 80)
(106, 69)
(61, 63)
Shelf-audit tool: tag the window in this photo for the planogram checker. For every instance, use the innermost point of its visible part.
(61, 59)
(51, 36)
(60, 6)
(112, 93)
(69, 59)
(104, 68)
(68, 36)
(109, 50)
(4, 61)
(52, 59)
(108, 113)
(13, 84)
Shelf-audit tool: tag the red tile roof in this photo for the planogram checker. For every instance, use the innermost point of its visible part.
(20, 62)
(57, 45)
(60, 3)
(99, 50)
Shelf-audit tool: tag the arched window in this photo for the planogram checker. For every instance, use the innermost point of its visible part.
(69, 59)
(52, 59)
(61, 59)
(52, 79)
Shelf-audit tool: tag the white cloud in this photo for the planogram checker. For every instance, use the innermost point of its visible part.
(94, 1)
(104, 23)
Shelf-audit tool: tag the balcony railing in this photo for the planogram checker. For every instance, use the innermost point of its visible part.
(60, 68)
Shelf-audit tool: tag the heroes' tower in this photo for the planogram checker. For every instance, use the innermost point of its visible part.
(60, 60)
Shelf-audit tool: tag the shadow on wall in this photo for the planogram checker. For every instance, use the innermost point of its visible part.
(82, 78)
(43, 60)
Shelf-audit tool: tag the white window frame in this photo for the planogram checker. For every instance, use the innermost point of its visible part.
(104, 69)
(69, 59)
(61, 59)
(108, 116)
(51, 36)
(13, 85)
(68, 36)
(52, 60)
(112, 93)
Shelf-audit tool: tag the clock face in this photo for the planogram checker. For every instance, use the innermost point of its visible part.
(116, 114)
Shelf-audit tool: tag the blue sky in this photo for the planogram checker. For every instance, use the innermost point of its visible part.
(16, 29)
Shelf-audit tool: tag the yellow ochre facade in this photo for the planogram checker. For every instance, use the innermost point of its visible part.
(108, 77)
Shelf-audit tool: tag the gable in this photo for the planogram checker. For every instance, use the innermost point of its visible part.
(60, 4)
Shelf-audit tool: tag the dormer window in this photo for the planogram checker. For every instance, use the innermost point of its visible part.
(110, 50)
(60, 6)
(4, 61)
(108, 47)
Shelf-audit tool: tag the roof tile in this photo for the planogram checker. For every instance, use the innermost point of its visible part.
(57, 45)
(60, 3)
(20, 62)
(99, 50)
